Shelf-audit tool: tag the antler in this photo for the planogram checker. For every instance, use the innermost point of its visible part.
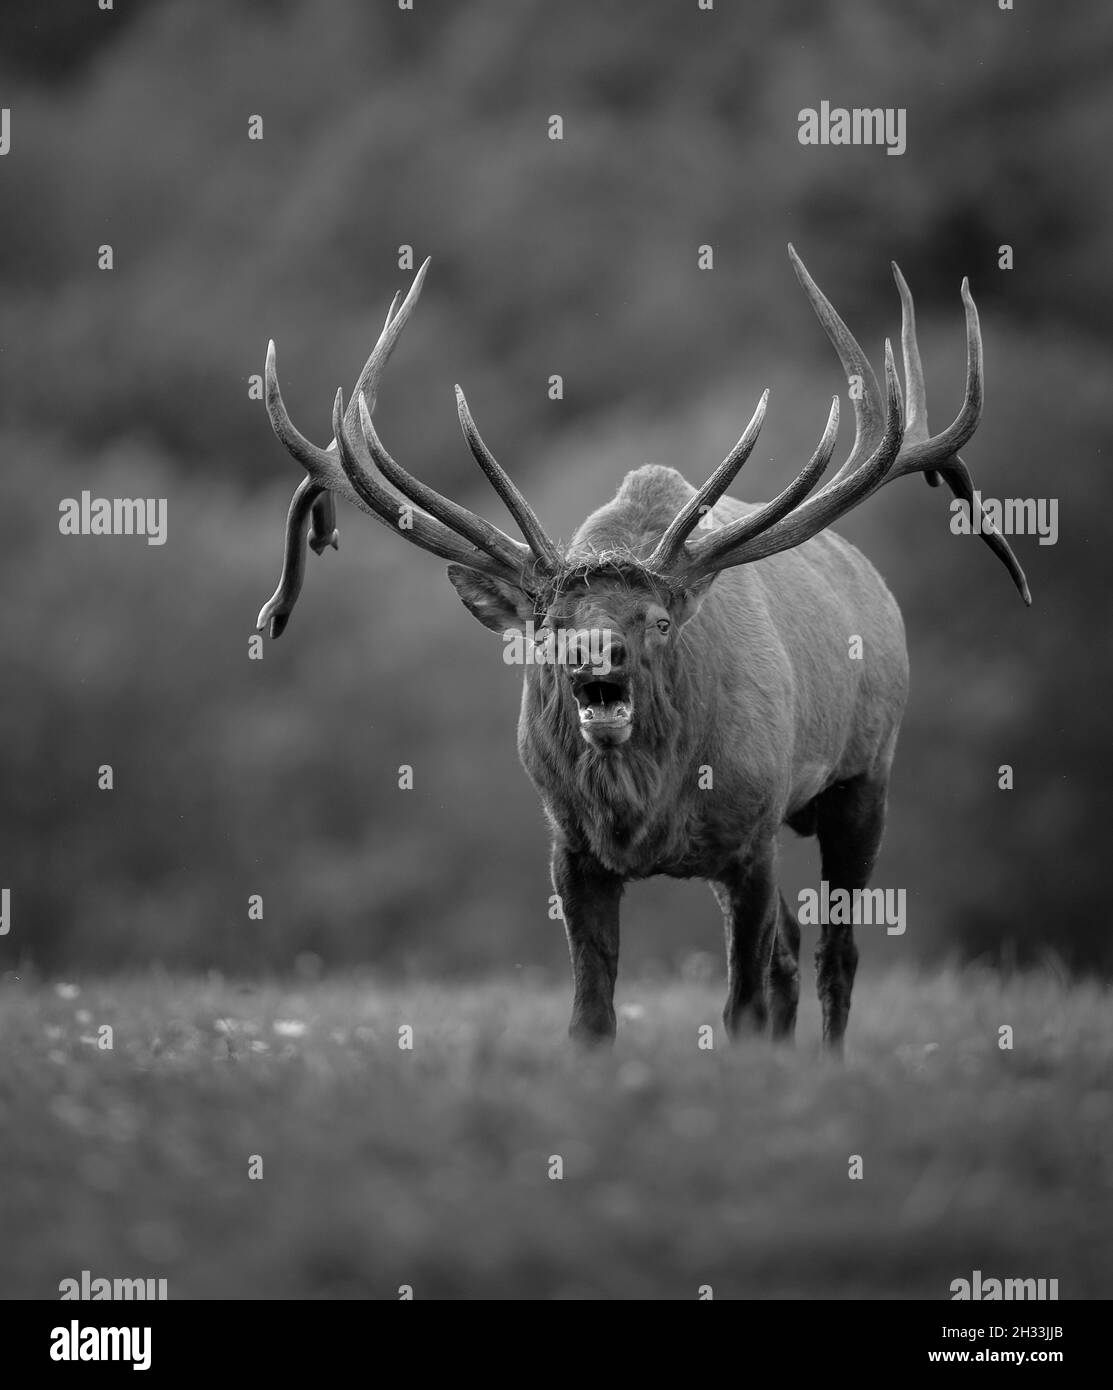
(886, 446)
(435, 523)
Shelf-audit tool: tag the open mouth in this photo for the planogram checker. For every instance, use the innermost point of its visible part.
(606, 711)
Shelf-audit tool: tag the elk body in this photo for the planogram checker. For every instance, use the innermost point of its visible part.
(706, 697)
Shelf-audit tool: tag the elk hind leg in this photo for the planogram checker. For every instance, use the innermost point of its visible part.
(850, 820)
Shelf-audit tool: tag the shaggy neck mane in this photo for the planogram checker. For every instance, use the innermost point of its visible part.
(615, 796)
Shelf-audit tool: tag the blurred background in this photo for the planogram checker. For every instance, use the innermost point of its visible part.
(429, 128)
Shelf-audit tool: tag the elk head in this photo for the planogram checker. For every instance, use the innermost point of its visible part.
(603, 629)
(615, 616)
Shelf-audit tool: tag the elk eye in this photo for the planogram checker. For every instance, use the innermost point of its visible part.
(663, 625)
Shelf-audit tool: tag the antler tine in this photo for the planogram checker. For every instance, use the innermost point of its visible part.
(934, 452)
(516, 504)
(869, 421)
(839, 496)
(324, 463)
(496, 543)
(322, 529)
(397, 296)
(398, 315)
(916, 423)
(937, 455)
(311, 458)
(688, 517)
(706, 554)
(960, 482)
(277, 609)
(425, 531)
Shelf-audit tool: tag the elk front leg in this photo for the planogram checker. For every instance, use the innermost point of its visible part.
(747, 893)
(589, 896)
(783, 985)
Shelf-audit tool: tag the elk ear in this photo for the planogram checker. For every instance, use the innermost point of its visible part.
(497, 603)
(689, 604)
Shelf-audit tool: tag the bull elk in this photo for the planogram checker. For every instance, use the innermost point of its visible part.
(724, 653)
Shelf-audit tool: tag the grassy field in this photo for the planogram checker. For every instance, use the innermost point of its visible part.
(430, 1167)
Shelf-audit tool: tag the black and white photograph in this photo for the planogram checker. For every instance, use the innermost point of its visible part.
(555, 667)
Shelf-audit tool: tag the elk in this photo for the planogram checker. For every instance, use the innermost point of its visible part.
(706, 697)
